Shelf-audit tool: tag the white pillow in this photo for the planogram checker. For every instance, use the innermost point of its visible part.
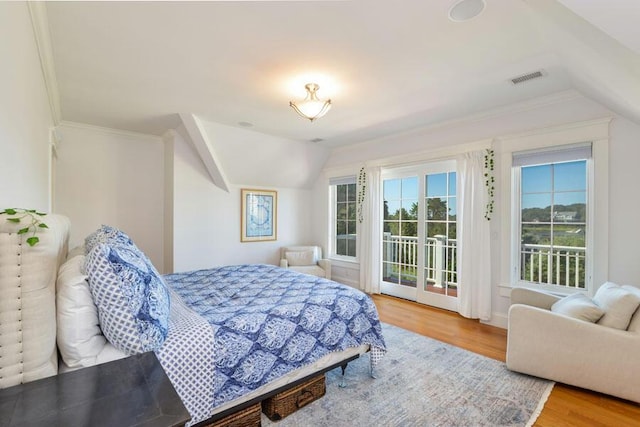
(578, 306)
(80, 339)
(634, 324)
(618, 303)
(299, 258)
(78, 250)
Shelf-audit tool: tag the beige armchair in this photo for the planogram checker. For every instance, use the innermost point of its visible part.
(305, 259)
(550, 345)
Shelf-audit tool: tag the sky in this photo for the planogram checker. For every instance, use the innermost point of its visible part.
(565, 183)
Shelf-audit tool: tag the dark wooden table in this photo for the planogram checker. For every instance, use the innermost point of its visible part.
(129, 392)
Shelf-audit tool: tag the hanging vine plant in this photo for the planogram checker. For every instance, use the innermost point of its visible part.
(362, 187)
(489, 182)
(32, 217)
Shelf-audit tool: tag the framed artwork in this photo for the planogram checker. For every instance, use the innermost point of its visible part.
(259, 220)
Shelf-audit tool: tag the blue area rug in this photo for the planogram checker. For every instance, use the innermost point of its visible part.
(424, 382)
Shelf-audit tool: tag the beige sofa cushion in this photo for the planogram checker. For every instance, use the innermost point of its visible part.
(300, 258)
(578, 306)
(618, 303)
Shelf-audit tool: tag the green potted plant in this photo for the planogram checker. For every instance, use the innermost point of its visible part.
(31, 217)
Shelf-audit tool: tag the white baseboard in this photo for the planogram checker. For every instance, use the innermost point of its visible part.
(499, 320)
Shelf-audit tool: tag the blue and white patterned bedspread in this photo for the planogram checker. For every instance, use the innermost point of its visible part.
(268, 321)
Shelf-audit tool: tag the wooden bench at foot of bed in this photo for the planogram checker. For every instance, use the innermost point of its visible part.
(277, 403)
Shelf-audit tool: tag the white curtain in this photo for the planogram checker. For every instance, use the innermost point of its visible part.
(474, 248)
(370, 235)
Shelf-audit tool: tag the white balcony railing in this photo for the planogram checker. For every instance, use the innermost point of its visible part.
(553, 265)
(545, 264)
(400, 260)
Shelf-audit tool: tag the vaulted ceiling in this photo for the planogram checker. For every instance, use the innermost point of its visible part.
(388, 66)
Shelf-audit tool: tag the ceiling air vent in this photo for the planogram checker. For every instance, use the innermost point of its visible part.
(316, 140)
(526, 77)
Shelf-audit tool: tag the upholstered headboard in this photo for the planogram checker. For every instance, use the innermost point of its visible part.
(28, 299)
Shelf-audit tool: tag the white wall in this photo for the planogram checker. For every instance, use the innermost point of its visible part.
(104, 176)
(168, 200)
(25, 115)
(159, 192)
(252, 157)
(624, 150)
(539, 113)
(206, 227)
(624, 202)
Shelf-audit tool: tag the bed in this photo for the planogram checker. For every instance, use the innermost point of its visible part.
(226, 336)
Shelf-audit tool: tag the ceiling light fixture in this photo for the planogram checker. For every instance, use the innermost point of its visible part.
(311, 107)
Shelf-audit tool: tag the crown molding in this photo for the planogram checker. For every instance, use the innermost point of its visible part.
(110, 131)
(169, 135)
(411, 159)
(519, 107)
(596, 128)
(40, 24)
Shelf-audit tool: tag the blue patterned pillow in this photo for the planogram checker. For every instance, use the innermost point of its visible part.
(109, 235)
(132, 298)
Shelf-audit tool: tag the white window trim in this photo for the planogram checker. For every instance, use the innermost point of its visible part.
(516, 237)
(348, 260)
(595, 131)
(331, 249)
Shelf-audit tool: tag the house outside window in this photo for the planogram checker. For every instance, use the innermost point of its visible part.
(552, 199)
(343, 193)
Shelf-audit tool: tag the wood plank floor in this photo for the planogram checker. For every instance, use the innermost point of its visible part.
(566, 407)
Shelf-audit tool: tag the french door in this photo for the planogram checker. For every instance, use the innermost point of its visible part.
(419, 251)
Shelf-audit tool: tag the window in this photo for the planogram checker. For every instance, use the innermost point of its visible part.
(552, 236)
(344, 227)
(400, 231)
(440, 234)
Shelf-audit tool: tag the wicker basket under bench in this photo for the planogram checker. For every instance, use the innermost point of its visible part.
(281, 401)
(277, 406)
(289, 401)
(248, 417)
